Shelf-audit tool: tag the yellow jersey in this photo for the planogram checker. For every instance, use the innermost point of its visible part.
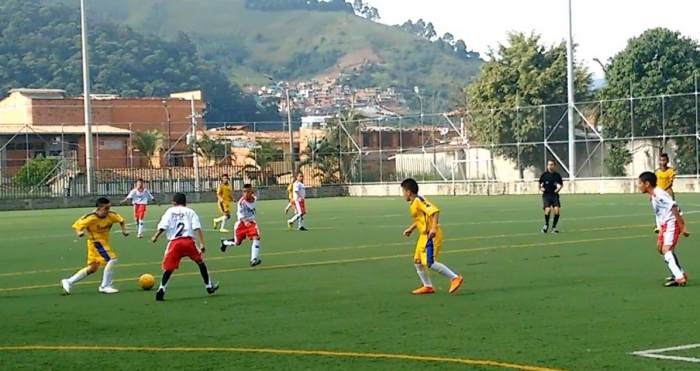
(224, 191)
(96, 228)
(422, 211)
(290, 191)
(664, 179)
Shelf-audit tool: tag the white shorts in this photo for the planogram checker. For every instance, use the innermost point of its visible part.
(669, 233)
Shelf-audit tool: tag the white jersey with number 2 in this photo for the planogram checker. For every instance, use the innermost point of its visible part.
(179, 222)
(662, 203)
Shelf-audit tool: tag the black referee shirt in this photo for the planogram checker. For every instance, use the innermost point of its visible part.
(549, 181)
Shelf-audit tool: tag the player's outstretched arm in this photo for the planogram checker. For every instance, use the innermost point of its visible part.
(680, 220)
(200, 238)
(125, 231)
(155, 236)
(410, 229)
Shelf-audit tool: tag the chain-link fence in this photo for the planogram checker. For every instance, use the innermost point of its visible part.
(616, 138)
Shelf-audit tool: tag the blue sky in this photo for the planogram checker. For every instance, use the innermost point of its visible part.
(601, 27)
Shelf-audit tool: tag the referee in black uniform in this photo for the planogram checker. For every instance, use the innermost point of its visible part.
(550, 185)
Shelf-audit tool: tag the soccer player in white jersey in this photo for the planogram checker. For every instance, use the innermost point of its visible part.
(140, 197)
(670, 223)
(181, 225)
(246, 227)
(298, 202)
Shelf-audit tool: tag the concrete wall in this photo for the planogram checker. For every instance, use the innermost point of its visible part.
(88, 201)
(581, 186)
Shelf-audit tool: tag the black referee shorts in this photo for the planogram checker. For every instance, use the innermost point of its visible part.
(550, 200)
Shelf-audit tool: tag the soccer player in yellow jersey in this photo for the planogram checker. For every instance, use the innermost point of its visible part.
(224, 199)
(290, 197)
(664, 179)
(425, 220)
(97, 226)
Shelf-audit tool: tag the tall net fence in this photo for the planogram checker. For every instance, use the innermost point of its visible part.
(615, 138)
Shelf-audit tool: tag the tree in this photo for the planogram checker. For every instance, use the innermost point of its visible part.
(658, 63)
(148, 143)
(213, 151)
(35, 172)
(264, 154)
(522, 73)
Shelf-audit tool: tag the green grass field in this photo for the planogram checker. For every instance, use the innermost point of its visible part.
(338, 297)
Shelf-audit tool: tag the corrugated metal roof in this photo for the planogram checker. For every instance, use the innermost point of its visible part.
(60, 129)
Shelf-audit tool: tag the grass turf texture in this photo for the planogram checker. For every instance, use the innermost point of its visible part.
(580, 300)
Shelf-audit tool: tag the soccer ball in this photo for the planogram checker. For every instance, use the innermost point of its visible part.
(146, 281)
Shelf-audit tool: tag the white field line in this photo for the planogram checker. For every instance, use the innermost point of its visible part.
(282, 221)
(657, 353)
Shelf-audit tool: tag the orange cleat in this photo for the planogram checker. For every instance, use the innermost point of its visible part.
(424, 290)
(455, 283)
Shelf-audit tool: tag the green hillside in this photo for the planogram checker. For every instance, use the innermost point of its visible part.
(295, 45)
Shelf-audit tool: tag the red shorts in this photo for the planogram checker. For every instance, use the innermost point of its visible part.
(180, 248)
(299, 207)
(241, 232)
(139, 211)
(669, 233)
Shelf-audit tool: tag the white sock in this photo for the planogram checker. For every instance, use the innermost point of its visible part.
(223, 222)
(442, 269)
(294, 218)
(79, 275)
(289, 205)
(107, 273)
(301, 221)
(424, 275)
(255, 250)
(140, 226)
(673, 265)
(162, 288)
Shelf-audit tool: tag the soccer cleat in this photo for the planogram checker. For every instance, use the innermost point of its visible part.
(554, 230)
(108, 290)
(223, 246)
(424, 290)
(656, 230)
(290, 225)
(677, 283)
(303, 229)
(216, 224)
(255, 262)
(139, 235)
(545, 228)
(223, 230)
(66, 286)
(212, 289)
(455, 283)
(160, 295)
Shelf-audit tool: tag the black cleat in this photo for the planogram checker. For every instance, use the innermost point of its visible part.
(303, 229)
(211, 290)
(670, 279)
(554, 230)
(545, 228)
(674, 283)
(255, 262)
(160, 295)
(223, 246)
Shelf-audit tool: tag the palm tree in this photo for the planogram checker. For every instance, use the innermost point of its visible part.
(335, 157)
(148, 143)
(264, 154)
(213, 151)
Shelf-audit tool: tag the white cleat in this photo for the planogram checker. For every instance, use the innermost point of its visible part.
(108, 290)
(66, 286)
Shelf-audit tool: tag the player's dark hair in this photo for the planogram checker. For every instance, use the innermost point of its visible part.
(411, 185)
(139, 180)
(180, 199)
(664, 155)
(552, 161)
(224, 175)
(648, 177)
(101, 202)
(247, 186)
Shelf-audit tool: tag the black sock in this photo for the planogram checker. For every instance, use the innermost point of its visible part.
(166, 277)
(204, 272)
(556, 220)
(546, 220)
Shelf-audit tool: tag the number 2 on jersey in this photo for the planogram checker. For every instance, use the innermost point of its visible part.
(179, 228)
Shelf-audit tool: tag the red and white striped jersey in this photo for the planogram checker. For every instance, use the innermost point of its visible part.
(662, 203)
(246, 209)
(179, 222)
(140, 196)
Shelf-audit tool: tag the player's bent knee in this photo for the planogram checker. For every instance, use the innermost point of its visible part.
(417, 261)
(92, 268)
(666, 248)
